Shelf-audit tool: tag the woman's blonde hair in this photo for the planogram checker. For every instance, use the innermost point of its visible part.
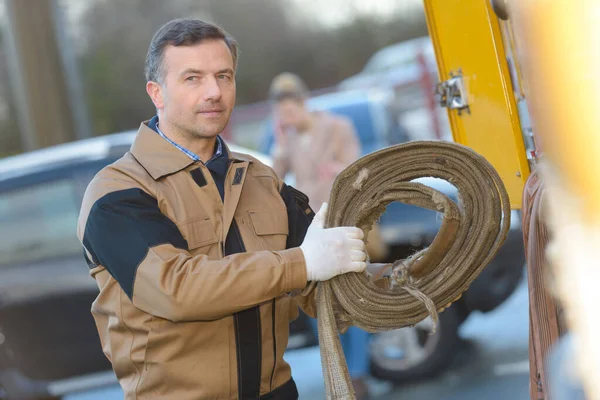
(287, 86)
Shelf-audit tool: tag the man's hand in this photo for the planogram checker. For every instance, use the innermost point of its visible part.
(334, 251)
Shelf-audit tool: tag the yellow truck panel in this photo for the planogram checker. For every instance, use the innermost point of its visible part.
(482, 110)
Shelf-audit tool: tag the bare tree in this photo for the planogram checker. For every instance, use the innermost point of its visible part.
(10, 142)
(273, 36)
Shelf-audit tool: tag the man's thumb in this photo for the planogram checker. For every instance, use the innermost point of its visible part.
(319, 220)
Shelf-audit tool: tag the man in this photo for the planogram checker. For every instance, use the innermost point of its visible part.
(195, 249)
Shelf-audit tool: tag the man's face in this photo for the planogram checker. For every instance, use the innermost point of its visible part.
(291, 114)
(198, 90)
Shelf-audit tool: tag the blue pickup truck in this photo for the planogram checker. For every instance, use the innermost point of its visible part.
(412, 353)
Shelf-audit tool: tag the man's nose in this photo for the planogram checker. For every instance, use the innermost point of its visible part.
(212, 91)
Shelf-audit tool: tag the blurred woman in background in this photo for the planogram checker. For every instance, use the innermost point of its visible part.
(316, 147)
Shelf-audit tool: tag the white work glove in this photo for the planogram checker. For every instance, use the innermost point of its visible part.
(334, 251)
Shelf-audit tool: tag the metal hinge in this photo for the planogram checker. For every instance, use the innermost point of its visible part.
(452, 93)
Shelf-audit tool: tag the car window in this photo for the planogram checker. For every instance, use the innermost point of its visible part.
(388, 59)
(39, 222)
(377, 63)
(400, 55)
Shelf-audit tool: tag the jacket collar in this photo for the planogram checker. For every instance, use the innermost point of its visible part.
(160, 158)
(157, 156)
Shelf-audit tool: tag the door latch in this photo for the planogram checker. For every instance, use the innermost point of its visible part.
(452, 93)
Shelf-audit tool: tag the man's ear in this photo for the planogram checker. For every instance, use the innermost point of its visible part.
(154, 90)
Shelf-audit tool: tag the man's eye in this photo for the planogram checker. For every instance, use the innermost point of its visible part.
(224, 77)
(191, 78)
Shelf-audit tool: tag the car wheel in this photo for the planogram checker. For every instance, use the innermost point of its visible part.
(499, 278)
(413, 353)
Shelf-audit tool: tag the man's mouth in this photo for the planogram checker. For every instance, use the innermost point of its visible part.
(212, 112)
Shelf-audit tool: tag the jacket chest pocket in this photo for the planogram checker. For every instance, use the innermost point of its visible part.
(271, 228)
(199, 234)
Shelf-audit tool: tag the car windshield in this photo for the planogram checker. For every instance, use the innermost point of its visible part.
(396, 56)
(386, 60)
(38, 222)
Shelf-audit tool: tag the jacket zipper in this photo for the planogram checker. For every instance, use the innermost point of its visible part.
(274, 347)
(223, 203)
(238, 235)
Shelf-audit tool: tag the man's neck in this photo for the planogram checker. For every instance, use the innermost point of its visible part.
(203, 147)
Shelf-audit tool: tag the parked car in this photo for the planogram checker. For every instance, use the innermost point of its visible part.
(409, 69)
(412, 353)
(394, 65)
(49, 345)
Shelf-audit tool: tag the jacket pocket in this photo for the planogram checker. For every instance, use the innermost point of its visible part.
(271, 228)
(150, 373)
(198, 233)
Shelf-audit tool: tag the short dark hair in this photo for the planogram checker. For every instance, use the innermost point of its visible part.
(182, 32)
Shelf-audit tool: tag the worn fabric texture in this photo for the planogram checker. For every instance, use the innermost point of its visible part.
(546, 320)
(470, 235)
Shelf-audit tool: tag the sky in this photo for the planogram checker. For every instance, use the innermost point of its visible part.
(328, 12)
(336, 12)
